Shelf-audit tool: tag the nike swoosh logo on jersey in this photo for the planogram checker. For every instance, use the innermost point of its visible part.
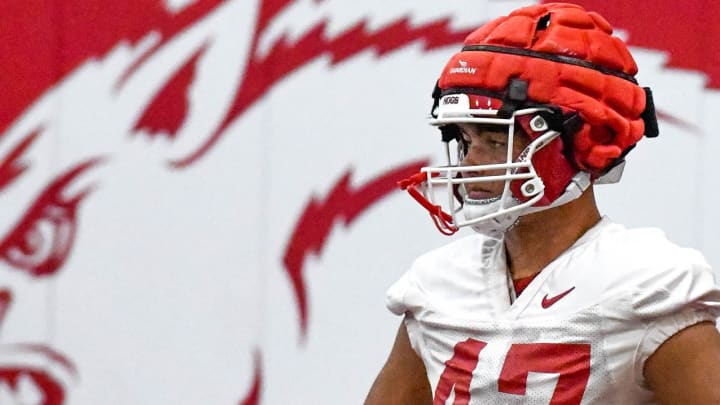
(548, 302)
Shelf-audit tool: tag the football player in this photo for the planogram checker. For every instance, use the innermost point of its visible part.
(549, 302)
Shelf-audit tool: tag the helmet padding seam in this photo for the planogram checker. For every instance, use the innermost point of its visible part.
(568, 60)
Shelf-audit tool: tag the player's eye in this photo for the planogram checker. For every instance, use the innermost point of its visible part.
(41, 241)
(496, 144)
(495, 140)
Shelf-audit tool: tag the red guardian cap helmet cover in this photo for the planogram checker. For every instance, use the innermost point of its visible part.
(555, 61)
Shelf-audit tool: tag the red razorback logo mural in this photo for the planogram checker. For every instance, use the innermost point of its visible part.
(39, 240)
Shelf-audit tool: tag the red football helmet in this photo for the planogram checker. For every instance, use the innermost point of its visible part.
(555, 72)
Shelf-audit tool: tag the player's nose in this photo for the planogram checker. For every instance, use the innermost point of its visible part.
(475, 158)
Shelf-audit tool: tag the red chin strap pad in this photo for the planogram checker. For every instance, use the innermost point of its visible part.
(600, 87)
(550, 163)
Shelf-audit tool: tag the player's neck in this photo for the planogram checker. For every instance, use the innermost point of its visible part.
(538, 239)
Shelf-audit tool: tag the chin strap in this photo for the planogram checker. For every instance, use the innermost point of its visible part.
(443, 221)
(579, 183)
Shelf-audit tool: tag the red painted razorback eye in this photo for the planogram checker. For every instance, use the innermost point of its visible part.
(43, 238)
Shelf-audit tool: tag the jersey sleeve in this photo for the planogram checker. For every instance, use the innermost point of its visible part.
(682, 293)
(406, 296)
(395, 297)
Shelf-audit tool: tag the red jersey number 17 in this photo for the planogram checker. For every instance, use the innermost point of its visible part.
(570, 360)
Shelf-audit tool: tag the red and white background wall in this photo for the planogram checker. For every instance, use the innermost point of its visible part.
(198, 197)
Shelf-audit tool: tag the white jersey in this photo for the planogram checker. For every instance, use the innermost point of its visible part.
(579, 333)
